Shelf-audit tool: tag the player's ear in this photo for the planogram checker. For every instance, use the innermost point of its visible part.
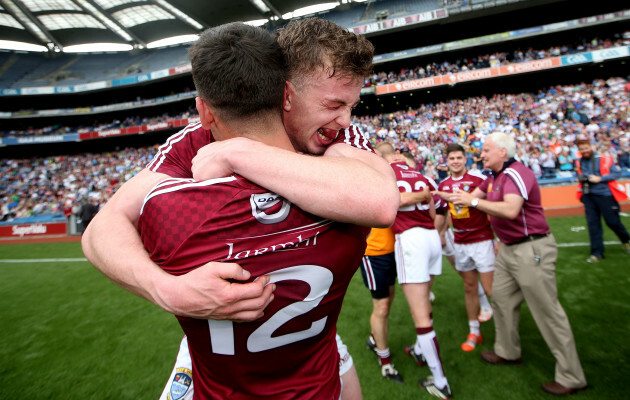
(289, 91)
(205, 113)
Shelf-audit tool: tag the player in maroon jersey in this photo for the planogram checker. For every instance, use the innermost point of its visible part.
(418, 254)
(291, 351)
(317, 103)
(473, 238)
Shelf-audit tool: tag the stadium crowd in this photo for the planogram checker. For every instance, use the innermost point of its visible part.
(497, 58)
(378, 78)
(545, 125)
(60, 185)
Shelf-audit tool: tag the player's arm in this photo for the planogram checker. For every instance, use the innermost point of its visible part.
(509, 208)
(112, 244)
(408, 198)
(346, 185)
(441, 223)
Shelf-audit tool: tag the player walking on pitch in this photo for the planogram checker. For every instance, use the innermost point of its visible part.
(473, 238)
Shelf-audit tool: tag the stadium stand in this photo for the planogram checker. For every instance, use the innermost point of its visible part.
(178, 54)
(545, 122)
(542, 120)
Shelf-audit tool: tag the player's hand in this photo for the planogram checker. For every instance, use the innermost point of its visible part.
(461, 197)
(213, 160)
(444, 195)
(207, 293)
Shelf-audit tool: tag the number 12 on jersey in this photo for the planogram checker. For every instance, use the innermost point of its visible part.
(318, 278)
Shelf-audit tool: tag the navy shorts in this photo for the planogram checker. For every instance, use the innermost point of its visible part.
(379, 273)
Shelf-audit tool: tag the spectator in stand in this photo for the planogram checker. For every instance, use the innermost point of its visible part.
(565, 160)
(624, 156)
(442, 169)
(547, 161)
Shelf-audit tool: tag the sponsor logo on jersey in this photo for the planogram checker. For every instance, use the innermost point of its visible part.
(180, 384)
(262, 208)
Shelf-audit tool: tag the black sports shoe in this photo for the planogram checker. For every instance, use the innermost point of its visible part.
(371, 344)
(429, 385)
(390, 373)
(418, 358)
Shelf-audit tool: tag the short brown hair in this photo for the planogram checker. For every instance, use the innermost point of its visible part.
(312, 43)
(583, 141)
(454, 147)
(239, 69)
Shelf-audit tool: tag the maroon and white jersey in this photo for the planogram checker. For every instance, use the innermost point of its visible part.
(291, 352)
(354, 137)
(174, 158)
(469, 224)
(415, 215)
(516, 178)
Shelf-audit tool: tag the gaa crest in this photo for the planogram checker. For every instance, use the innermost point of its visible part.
(182, 381)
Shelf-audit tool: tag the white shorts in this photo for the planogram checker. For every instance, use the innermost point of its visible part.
(180, 385)
(418, 255)
(448, 249)
(475, 256)
(345, 359)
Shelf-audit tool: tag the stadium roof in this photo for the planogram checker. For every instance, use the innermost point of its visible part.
(56, 25)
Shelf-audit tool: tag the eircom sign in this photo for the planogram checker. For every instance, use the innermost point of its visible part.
(18, 231)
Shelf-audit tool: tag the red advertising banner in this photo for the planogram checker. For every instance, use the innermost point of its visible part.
(54, 228)
(473, 75)
(410, 85)
(529, 66)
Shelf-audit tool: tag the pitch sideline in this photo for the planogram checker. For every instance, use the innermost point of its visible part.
(47, 260)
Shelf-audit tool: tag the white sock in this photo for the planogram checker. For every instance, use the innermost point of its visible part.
(431, 351)
(474, 327)
(483, 299)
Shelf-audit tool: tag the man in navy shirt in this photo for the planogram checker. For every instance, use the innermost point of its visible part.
(599, 192)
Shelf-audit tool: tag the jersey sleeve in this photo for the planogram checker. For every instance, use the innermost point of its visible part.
(441, 206)
(515, 184)
(354, 137)
(174, 157)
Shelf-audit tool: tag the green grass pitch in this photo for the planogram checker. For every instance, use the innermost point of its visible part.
(69, 333)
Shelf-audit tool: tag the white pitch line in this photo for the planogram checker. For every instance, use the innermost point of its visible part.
(43, 260)
(582, 244)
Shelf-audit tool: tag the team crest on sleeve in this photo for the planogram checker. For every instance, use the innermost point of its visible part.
(269, 208)
(180, 384)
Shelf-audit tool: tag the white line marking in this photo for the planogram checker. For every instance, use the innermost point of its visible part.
(582, 244)
(45, 260)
